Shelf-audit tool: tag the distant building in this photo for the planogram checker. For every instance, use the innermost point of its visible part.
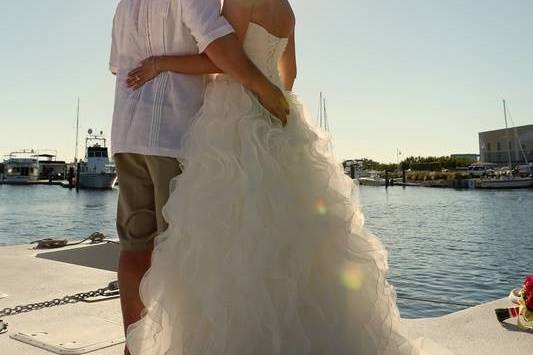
(470, 157)
(501, 145)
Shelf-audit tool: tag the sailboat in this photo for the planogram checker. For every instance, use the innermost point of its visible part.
(322, 118)
(508, 181)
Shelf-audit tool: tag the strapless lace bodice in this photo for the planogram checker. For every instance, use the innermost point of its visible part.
(264, 50)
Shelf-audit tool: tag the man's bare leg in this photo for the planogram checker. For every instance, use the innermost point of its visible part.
(132, 265)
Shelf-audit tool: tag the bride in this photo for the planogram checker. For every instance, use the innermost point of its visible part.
(266, 252)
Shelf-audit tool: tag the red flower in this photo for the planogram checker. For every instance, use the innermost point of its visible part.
(528, 292)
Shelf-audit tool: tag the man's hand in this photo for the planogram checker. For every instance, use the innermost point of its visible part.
(272, 98)
(141, 75)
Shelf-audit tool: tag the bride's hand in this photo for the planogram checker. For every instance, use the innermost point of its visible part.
(273, 99)
(141, 75)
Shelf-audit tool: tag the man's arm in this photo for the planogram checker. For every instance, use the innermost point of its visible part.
(114, 55)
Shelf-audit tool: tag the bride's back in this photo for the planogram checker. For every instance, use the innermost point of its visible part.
(276, 16)
(266, 29)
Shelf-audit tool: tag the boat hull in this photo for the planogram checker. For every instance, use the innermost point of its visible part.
(19, 180)
(97, 181)
(371, 181)
(517, 183)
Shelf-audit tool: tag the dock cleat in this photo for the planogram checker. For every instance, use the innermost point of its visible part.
(3, 327)
(515, 296)
(523, 298)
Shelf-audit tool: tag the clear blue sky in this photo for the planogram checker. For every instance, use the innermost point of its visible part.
(423, 76)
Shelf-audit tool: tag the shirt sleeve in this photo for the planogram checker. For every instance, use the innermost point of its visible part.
(204, 19)
(114, 56)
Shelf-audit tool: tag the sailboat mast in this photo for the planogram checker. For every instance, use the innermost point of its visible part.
(320, 115)
(507, 134)
(77, 130)
(326, 122)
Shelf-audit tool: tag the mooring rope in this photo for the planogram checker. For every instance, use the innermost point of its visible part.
(427, 300)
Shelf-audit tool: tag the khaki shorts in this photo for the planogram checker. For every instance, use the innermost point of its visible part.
(144, 183)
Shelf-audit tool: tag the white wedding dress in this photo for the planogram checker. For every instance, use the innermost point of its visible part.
(266, 253)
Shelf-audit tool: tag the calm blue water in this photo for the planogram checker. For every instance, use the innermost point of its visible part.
(460, 246)
(466, 246)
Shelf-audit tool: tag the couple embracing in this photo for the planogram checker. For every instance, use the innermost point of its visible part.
(239, 232)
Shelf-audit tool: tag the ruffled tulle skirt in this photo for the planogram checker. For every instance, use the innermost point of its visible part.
(265, 253)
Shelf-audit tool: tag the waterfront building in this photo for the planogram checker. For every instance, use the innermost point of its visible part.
(503, 145)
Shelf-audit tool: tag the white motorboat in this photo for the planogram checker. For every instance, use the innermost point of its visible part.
(371, 178)
(371, 181)
(96, 171)
(21, 167)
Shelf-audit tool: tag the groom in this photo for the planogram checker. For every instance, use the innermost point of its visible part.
(149, 123)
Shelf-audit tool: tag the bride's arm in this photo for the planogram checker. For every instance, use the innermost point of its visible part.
(187, 64)
(237, 13)
(194, 64)
(287, 64)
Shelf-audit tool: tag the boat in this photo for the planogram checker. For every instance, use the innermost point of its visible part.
(49, 167)
(510, 178)
(371, 181)
(371, 178)
(96, 171)
(506, 182)
(21, 167)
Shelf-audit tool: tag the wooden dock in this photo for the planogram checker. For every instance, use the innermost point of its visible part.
(30, 276)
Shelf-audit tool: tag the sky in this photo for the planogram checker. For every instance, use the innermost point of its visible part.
(419, 76)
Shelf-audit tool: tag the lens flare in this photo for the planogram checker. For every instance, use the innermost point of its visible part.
(352, 278)
(321, 207)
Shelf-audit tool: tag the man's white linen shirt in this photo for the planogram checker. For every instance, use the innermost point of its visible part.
(153, 119)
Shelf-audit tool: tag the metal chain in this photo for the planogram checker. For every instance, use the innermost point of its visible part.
(48, 243)
(110, 290)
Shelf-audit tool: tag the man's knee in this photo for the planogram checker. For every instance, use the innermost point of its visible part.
(137, 230)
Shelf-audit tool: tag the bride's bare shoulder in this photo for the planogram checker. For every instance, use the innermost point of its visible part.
(277, 16)
(283, 11)
(291, 17)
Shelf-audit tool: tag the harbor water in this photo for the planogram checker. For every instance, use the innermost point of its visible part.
(454, 246)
